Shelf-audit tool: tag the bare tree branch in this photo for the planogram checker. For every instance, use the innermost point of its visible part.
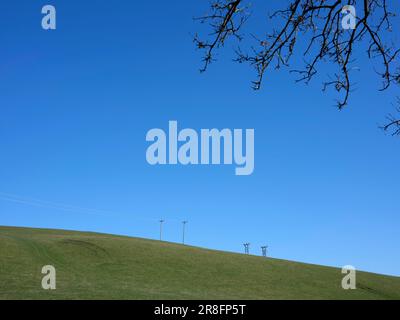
(318, 24)
(393, 125)
(224, 23)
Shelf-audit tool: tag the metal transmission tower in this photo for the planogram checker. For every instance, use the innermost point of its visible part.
(264, 250)
(161, 224)
(246, 247)
(183, 231)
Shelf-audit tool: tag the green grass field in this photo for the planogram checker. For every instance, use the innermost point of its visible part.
(101, 266)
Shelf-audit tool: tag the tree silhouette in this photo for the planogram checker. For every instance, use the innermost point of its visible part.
(319, 25)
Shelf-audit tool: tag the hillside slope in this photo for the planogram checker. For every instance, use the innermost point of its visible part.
(101, 266)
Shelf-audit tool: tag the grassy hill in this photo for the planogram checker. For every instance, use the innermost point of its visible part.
(101, 266)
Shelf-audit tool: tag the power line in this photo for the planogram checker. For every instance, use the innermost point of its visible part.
(75, 209)
(71, 208)
(61, 206)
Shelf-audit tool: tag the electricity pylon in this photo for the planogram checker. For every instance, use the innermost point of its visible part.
(161, 223)
(264, 250)
(183, 231)
(246, 247)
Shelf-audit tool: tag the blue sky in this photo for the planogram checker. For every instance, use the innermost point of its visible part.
(76, 104)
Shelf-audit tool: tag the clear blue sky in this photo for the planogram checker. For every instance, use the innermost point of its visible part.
(76, 103)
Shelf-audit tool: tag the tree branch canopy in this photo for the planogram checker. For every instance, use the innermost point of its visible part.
(318, 24)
